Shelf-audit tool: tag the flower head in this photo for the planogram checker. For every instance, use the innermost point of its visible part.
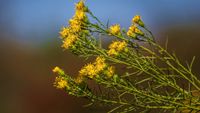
(61, 83)
(80, 6)
(69, 41)
(79, 79)
(80, 15)
(121, 46)
(112, 52)
(133, 31)
(92, 69)
(115, 29)
(75, 25)
(64, 32)
(100, 60)
(116, 47)
(110, 71)
(89, 70)
(58, 70)
(131, 34)
(137, 19)
(100, 64)
(138, 31)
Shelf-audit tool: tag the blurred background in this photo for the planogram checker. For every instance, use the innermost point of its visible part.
(30, 47)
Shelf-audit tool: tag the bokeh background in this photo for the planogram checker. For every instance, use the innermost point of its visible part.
(30, 47)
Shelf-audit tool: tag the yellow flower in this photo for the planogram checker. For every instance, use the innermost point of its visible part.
(115, 29)
(75, 25)
(79, 79)
(92, 69)
(133, 30)
(64, 32)
(100, 60)
(100, 67)
(116, 47)
(137, 31)
(88, 70)
(131, 34)
(112, 52)
(100, 64)
(110, 71)
(121, 46)
(137, 19)
(80, 15)
(80, 6)
(69, 41)
(61, 83)
(58, 70)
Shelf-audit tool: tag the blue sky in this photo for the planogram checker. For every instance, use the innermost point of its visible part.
(38, 20)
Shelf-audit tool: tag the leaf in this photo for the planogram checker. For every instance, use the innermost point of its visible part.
(144, 80)
(192, 62)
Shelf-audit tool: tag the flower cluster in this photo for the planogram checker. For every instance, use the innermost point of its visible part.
(115, 47)
(133, 30)
(61, 83)
(77, 25)
(115, 29)
(92, 69)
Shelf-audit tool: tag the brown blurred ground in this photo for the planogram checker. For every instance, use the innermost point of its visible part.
(26, 79)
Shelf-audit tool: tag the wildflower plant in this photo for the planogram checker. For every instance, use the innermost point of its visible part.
(151, 79)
